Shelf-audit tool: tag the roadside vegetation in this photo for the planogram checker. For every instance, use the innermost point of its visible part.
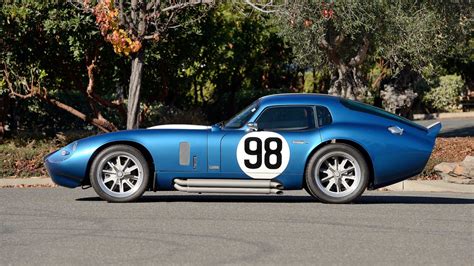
(97, 66)
(22, 156)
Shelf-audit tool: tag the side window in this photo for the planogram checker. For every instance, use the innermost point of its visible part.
(287, 118)
(324, 116)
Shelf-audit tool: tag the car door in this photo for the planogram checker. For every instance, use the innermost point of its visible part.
(278, 149)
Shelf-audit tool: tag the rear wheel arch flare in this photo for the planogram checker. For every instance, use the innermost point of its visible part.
(357, 146)
(144, 151)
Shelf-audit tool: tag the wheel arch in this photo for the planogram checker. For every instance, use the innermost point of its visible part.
(351, 143)
(144, 151)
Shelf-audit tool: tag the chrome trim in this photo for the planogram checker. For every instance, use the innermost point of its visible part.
(434, 124)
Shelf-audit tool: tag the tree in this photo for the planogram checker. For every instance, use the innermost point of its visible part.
(128, 25)
(51, 53)
(346, 34)
(218, 65)
(212, 68)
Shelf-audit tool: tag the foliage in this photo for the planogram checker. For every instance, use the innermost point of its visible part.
(226, 59)
(220, 63)
(397, 101)
(317, 81)
(47, 50)
(107, 17)
(447, 150)
(159, 113)
(127, 25)
(446, 96)
(405, 35)
(212, 66)
(23, 161)
(23, 155)
(213, 61)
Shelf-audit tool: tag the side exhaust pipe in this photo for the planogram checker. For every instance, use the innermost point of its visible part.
(235, 183)
(228, 186)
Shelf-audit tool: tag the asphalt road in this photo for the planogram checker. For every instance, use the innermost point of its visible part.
(59, 226)
(454, 127)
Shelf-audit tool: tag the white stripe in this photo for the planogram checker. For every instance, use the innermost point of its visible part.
(180, 126)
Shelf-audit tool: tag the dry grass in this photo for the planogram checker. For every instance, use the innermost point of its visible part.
(18, 160)
(23, 156)
(447, 150)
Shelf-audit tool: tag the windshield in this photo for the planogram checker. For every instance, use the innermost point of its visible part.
(240, 119)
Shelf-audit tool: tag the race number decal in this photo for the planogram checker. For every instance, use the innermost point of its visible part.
(263, 155)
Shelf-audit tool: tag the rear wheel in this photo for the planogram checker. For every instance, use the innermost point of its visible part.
(337, 173)
(119, 174)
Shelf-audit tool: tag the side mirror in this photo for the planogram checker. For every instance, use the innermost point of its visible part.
(252, 126)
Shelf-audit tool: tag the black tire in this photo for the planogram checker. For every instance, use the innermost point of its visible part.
(315, 188)
(123, 152)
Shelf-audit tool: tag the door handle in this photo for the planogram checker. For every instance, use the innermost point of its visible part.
(195, 162)
(396, 130)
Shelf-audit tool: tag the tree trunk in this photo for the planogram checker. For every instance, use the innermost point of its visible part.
(3, 111)
(133, 109)
(314, 80)
(302, 81)
(194, 84)
(347, 84)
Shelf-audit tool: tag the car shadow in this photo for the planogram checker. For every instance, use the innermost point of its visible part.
(365, 199)
(459, 132)
(400, 199)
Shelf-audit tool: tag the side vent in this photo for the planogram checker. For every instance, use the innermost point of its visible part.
(184, 153)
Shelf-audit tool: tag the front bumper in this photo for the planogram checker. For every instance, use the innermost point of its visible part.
(61, 170)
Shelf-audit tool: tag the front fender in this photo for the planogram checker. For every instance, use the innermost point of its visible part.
(71, 168)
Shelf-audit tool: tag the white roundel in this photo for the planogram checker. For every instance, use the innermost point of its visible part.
(263, 154)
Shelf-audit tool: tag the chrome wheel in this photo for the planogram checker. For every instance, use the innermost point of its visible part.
(120, 174)
(337, 174)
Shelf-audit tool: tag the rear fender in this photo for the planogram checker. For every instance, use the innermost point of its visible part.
(393, 157)
(433, 130)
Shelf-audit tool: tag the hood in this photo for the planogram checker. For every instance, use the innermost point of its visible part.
(181, 126)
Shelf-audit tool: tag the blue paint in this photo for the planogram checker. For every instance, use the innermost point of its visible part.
(393, 157)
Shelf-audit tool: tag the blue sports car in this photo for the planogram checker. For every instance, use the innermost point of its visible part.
(334, 148)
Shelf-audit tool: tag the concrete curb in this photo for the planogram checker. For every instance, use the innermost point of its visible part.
(407, 185)
(442, 115)
(27, 182)
(429, 186)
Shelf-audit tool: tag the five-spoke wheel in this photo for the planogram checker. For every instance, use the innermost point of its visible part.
(119, 173)
(337, 173)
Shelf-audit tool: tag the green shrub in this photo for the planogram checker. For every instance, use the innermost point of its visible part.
(446, 96)
(159, 114)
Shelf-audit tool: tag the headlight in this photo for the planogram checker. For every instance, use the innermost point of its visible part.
(69, 148)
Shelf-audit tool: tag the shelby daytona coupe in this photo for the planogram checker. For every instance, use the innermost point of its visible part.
(332, 147)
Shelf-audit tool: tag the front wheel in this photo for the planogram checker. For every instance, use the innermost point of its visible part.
(337, 173)
(119, 174)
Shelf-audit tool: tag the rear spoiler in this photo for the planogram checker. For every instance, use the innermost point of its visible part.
(434, 129)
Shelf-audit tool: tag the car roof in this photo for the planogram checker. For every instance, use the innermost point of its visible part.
(297, 98)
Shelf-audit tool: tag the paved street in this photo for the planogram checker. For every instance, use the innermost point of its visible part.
(455, 127)
(62, 226)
